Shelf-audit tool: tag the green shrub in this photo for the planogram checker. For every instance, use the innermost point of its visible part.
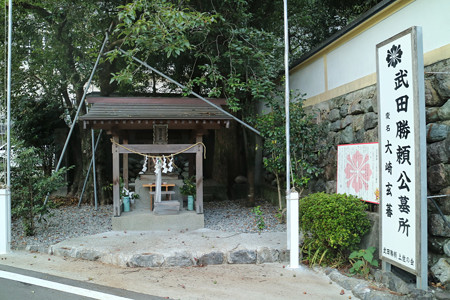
(30, 186)
(333, 225)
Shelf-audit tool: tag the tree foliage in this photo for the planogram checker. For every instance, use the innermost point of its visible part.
(36, 126)
(30, 186)
(305, 144)
(218, 48)
(55, 44)
(316, 20)
(310, 22)
(212, 48)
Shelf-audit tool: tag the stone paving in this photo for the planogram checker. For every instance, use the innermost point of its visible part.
(209, 247)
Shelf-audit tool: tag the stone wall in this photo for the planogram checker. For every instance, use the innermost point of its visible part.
(353, 118)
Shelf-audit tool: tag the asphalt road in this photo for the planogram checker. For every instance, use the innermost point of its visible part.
(20, 284)
(271, 281)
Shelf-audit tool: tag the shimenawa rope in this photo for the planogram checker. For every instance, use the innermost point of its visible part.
(161, 156)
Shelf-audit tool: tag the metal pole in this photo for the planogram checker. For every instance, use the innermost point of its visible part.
(5, 242)
(75, 119)
(193, 93)
(286, 104)
(8, 101)
(89, 169)
(291, 198)
(286, 97)
(93, 167)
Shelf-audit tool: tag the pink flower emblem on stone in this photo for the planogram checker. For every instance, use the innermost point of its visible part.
(358, 171)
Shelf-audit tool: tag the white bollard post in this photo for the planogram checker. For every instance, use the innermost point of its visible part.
(288, 220)
(293, 232)
(5, 222)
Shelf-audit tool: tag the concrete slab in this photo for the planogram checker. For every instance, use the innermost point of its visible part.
(145, 220)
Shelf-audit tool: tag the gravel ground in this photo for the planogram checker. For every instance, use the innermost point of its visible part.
(234, 217)
(70, 221)
(64, 223)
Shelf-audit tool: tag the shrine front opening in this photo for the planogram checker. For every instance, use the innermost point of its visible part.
(163, 128)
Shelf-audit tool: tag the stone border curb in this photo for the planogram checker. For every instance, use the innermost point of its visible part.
(177, 258)
(383, 289)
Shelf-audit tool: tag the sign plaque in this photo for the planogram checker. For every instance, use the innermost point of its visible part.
(402, 153)
(357, 171)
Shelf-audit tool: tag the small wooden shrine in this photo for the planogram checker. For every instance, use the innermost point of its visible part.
(121, 117)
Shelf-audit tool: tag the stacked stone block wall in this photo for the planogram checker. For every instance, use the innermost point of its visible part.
(353, 118)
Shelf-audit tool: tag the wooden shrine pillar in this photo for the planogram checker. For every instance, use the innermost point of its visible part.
(116, 176)
(125, 166)
(199, 174)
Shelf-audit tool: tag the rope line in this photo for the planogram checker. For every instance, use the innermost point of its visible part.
(161, 156)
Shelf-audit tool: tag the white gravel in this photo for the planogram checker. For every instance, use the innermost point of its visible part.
(232, 216)
(70, 221)
(63, 223)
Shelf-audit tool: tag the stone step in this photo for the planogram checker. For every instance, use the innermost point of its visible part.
(171, 207)
(164, 193)
(146, 220)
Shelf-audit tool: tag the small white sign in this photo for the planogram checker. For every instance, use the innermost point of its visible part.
(357, 171)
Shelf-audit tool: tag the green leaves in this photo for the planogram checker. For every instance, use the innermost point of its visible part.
(159, 31)
(259, 218)
(362, 260)
(333, 221)
(30, 186)
(208, 46)
(189, 187)
(305, 143)
(160, 26)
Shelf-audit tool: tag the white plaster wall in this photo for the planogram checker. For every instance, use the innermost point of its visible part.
(356, 58)
(311, 79)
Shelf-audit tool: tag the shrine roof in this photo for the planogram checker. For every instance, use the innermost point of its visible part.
(141, 112)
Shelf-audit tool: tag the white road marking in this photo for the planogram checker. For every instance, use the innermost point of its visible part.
(60, 287)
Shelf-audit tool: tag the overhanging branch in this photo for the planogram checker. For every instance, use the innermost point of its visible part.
(192, 92)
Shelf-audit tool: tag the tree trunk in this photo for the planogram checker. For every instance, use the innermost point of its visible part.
(78, 142)
(280, 204)
(79, 147)
(103, 159)
(83, 159)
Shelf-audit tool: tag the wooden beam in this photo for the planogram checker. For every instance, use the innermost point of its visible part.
(145, 124)
(158, 149)
(125, 165)
(116, 177)
(199, 174)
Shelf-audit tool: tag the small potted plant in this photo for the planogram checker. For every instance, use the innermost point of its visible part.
(189, 189)
(123, 193)
(125, 196)
(133, 196)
